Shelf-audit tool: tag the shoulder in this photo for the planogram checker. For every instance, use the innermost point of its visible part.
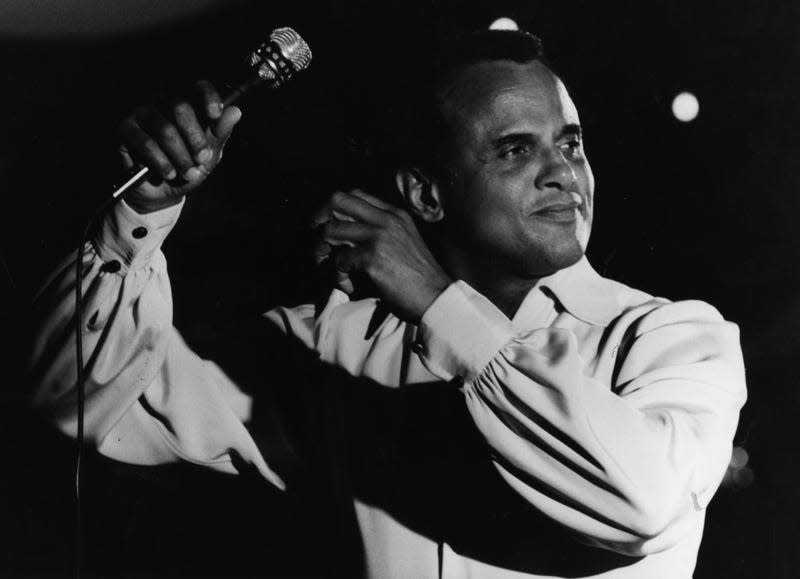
(654, 332)
(651, 311)
(611, 300)
(630, 316)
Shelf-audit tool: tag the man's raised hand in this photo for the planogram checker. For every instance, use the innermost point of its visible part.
(363, 234)
(180, 144)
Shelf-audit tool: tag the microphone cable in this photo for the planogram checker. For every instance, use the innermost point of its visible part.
(81, 385)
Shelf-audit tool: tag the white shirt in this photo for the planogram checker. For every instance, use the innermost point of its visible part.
(599, 408)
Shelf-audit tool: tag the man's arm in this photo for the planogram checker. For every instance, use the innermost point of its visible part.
(149, 398)
(629, 465)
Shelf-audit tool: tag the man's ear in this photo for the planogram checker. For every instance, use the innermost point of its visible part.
(422, 195)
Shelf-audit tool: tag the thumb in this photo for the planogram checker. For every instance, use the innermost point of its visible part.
(127, 160)
(224, 127)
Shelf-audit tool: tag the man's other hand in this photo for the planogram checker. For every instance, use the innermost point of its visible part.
(180, 144)
(363, 234)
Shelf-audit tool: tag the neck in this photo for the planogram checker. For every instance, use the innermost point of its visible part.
(506, 295)
(505, 290)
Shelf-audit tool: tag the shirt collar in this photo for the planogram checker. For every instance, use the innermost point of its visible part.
(584, 293)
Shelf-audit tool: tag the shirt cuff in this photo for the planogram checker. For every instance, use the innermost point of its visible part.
(461, 332)
(130, 238)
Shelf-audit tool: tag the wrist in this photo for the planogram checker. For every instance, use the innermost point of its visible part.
(130, 238)
(430, 294)
(461, 333)
(145, 206)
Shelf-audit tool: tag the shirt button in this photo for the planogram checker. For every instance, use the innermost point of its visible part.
(139, 232)
(417, 348)
(112, 266)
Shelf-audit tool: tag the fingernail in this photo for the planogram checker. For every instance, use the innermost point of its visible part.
(214, 110)
(204, 156)
(171, 175)
(192, 174)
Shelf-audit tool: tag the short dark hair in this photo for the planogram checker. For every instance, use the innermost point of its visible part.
(422, 129)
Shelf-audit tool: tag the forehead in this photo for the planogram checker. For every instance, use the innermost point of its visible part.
(494, 96)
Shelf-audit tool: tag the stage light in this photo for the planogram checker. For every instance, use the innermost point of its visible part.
(739, 457)
(503, 24)
(738, 473)
(685, 107)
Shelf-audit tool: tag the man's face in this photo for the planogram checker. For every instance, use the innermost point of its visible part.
(520, 189)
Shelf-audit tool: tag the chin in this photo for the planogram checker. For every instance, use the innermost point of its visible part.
(564, 260)
(555, 258)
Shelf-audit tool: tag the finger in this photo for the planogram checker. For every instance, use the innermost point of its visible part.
(224, 127)
(321, 252)
(141, 147)
(193, 133)
(344, 283)
(321, 215)
(379, 203)
(341, 216)
(212, 102)
(329, 274)
(348, 259)
(168, 138)
(347, 231)
(356, 207)
(324, 214)
(127, 160)
(349, 263)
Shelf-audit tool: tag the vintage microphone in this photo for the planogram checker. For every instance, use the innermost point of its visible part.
(273, 63)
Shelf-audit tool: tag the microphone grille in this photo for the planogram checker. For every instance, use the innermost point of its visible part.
(293, 47)
(279, 58)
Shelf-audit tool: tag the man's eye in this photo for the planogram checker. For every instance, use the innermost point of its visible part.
(572, 147)
(514, 151)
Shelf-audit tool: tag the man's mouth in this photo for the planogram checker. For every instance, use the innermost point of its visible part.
(565, 212)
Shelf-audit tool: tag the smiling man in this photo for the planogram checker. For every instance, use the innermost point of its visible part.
(519, 205)
(552, 423)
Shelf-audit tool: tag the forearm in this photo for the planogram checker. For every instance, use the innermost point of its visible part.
(619, 475)
(126, 316)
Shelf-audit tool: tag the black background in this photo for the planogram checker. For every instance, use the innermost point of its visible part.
(703, 210)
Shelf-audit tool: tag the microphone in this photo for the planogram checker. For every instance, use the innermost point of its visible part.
(274, 62)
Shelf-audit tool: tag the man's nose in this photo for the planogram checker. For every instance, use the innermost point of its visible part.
(556, 172)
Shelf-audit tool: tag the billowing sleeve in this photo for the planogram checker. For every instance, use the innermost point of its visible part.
(629, 463)
(149, 398)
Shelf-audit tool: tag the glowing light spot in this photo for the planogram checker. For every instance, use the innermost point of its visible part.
(503, 24)
(685, 107)
(739, 457)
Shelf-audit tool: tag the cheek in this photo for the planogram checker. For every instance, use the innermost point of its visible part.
(588, 177)
(585, 227)
(583, 231)
(483, 215)
(500, 208)
(488, 202)
(475, 195)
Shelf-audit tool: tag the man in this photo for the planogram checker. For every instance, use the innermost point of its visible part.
(597, 419)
